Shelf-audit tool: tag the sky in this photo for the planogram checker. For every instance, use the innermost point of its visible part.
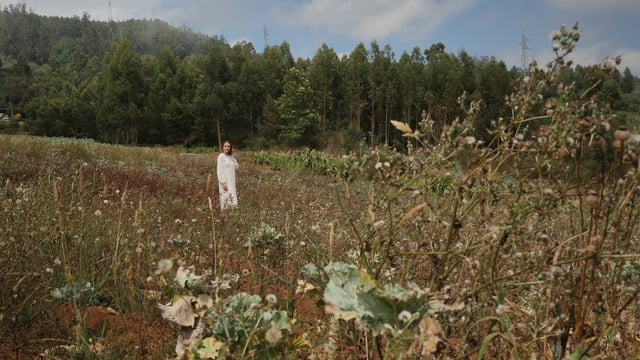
(497, 28)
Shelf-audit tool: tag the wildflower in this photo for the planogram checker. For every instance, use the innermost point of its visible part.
(49, 270)
(271, 299)
(378, 165)
(609, 63)
(469, 140)
(404, 316)
(57, 294)
(387, 330)
(57, 262)
(98, 213)
(500, 309)
(164, 266)
(273, 335)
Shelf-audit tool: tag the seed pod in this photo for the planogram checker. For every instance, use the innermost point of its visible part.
(622, 133)
(585, 123)
(592, 199)
(617, 144)
(598, 142)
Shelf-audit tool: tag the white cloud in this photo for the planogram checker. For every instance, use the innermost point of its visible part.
(584, 56)
(595, 6)
(98, 9)
(597, 53)
(373, 19)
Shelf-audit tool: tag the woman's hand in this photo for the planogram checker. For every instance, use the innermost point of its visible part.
(224, 186)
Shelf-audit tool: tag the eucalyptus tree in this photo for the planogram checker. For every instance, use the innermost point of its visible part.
(444, 84)
(253, 91)
(170, 103)
(628, 81)
(381, 91)
(246, 90)
(495, 84)
(296, 110)
(62, 104)
(324, 75)
(18, 77)
(356, 84)
(121, 95)
(160, 74)
(213, 95)
(240, 53)
(278, 61)
(181, 110)
(410, 69)
(468, 72)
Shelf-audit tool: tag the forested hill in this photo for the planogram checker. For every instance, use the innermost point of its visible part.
(146, 82)
(37, 37)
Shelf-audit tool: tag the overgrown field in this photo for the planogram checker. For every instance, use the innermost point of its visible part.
(523, 247)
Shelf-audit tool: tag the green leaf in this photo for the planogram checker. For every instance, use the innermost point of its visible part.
(485, 344)
(578, 354)
(208, 348)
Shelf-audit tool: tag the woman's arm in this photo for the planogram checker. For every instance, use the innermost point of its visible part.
(222, 176)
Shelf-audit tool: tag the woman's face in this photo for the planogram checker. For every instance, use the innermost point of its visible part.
(226, 148)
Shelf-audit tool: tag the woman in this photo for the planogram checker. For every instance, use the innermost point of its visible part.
(227, 166)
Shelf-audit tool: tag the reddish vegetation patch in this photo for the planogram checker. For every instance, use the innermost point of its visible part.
(129, 331)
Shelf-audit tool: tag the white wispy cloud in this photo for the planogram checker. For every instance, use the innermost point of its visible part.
(373, 19)
(595, 6)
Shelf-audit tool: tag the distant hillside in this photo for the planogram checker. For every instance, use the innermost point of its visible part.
(37, 37)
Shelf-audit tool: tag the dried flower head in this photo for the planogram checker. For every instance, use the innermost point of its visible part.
(622, 133)
(404, 316)
(592, 199)
(271, 299)
(272, 335)
(164, 266)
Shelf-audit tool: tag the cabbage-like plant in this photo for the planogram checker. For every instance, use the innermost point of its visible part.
(213, 328)
(400, 317)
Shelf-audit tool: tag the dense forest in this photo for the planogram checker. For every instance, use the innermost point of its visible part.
(146, 82)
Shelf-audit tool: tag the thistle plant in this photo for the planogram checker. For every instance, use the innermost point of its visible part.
(242, 325)
(544, 211)
(401, 320)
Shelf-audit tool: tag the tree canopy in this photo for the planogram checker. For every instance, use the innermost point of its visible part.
(146, 82)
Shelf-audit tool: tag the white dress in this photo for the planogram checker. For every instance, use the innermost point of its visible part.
(226, 167)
